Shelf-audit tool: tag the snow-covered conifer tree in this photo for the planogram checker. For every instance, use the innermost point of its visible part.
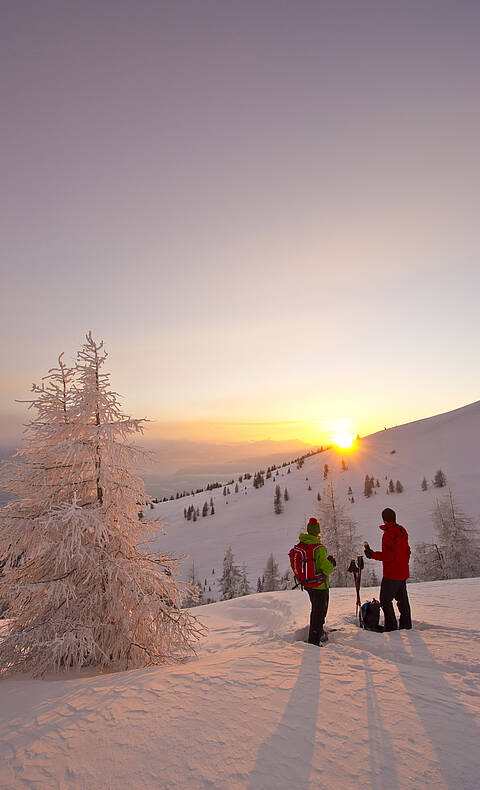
(339, 535)
(86, 591)
(271, 575)
(277, 500)
(194, 596)
(244, 588)
(231, 578)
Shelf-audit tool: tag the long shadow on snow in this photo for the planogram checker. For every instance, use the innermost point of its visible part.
(452, 729)
(382, 756)
(285, 759)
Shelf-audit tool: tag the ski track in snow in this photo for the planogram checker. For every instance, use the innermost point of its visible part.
(258, 709)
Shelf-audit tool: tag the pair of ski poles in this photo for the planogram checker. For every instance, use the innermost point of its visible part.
(356, 568)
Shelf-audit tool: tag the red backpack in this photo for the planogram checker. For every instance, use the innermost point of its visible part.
(303, 564)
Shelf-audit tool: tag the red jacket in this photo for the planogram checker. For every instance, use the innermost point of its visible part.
(395, 552)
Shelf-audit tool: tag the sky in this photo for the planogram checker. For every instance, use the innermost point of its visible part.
(268, 210)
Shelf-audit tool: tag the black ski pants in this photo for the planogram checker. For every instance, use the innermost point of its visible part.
(319, 600)
(390, 589)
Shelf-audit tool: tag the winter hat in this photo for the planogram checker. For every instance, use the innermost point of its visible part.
(313, 527)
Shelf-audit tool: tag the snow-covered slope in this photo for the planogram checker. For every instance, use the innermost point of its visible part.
(247, 521)
(258, 709)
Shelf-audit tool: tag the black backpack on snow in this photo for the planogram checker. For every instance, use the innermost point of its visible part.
(371, 615)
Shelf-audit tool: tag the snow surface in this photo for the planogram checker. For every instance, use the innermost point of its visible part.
(259, 709)
(247, 521)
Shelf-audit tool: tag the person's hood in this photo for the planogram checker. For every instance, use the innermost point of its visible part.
(304, 537)
(397, 527)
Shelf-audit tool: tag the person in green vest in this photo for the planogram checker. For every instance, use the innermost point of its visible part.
(318, 590)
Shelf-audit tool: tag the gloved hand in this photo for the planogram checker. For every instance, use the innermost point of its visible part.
(368, 551)
(332, 559)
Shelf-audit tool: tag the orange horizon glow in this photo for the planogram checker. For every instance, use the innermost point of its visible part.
(310, 431)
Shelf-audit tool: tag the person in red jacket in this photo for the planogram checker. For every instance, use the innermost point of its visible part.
(395, 555)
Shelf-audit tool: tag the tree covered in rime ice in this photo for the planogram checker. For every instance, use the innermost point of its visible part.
(231, 579)
(271, 575)
(194, 595)
(85, 591)
(457, 538)
(339, 535)
(244, 588)
(428, 562)
(456, 552)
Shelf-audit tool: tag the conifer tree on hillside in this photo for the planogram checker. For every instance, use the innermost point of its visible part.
(271, 576)
(244, 588)
(286, 495)
(287, 580)
(84, 593)
(325, 471)
(231, 579)
(424, 485)
(399, 487)
(368, 486)
(440, 479)
(194, 595)
(391, 486)
(339, 535)
(277, 501)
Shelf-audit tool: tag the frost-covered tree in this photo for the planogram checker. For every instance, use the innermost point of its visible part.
(271, 576)
(194, 592)
(370, 578)
(244, 587)
(286, 495)
(424, 485)
(339, 535)
(457, 537)
(287, 580)
(428, 562)
(86, 591)
(399, 487)
(231, 579)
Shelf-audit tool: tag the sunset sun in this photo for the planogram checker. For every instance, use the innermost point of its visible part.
(343, 440)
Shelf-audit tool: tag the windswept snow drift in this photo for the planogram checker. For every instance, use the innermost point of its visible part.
(259, 709)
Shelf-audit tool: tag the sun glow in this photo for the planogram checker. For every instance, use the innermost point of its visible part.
(344, 440)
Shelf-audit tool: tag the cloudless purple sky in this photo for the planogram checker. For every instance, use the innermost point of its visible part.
(268, 210)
